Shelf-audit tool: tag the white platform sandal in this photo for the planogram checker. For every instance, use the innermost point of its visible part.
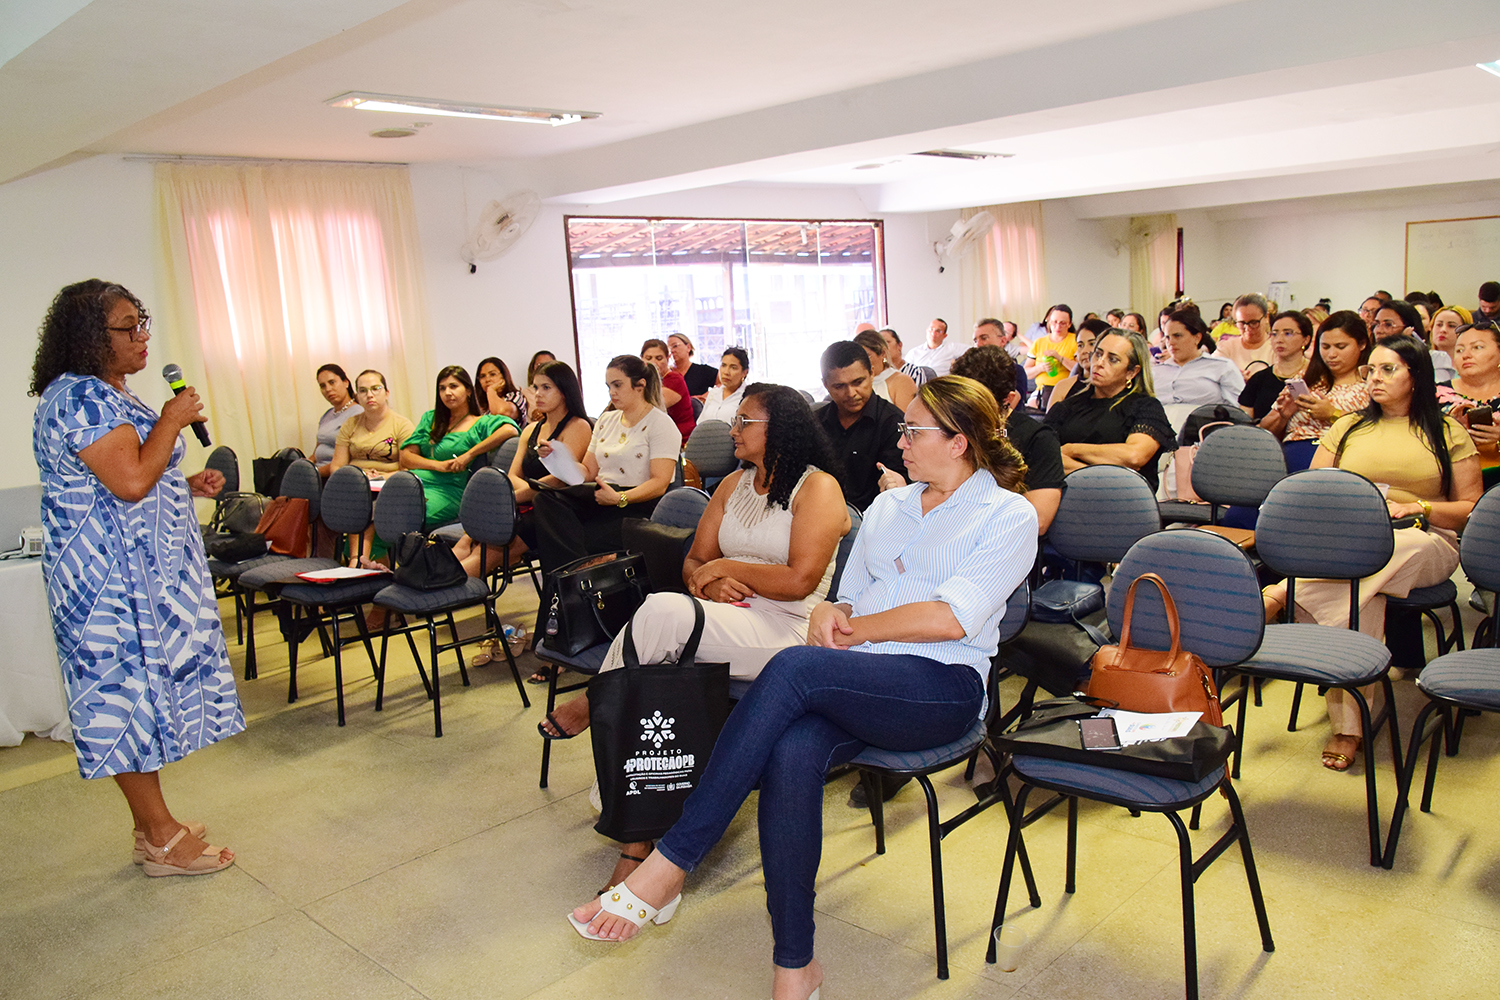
(621, 902)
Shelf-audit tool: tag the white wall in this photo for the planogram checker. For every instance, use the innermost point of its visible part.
(1087, 264)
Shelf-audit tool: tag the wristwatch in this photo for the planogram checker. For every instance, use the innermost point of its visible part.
(622, 501)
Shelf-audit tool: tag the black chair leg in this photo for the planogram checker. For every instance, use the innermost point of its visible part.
(875, 799)
(1070, 883)
(292, 645)
(338, 668)
(1252, 877)
(437, 700)
(1012, 848)
(251, 673)
(515, 671)
(935, 844)
(1405, 775)
(1189, 914)
(1239, 732)
(1291, 722)
(552, 673)
(1432, 758)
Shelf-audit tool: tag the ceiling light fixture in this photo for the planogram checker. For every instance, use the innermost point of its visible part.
(453, 109)
(1490, 67)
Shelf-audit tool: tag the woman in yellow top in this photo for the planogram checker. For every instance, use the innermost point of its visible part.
(1403, 440)
(1052, 354)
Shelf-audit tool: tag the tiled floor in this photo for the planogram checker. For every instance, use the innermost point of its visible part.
(376, 861)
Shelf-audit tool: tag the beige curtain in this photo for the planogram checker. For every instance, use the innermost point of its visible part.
(1003, 276)
(272, 270)
(1153, 263)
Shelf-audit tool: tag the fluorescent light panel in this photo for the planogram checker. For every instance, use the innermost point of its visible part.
(453, 109)
(1490, 67)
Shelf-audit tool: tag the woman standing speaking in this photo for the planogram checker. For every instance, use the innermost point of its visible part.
(133, 607)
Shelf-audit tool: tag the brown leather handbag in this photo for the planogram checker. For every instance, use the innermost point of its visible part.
(285, 526)
(1154, 680)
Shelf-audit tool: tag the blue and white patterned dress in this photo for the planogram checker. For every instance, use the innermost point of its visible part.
(133, 608)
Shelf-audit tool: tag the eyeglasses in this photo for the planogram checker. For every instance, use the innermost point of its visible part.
(1384, 371)
(739, 422)
(366, 391)
(1394, 325)
(1250, 322)
(140, 331)
(909, 431)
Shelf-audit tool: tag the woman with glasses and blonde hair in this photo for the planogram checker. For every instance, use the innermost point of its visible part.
(1400, 440)
(1473, 395)
(900, 662)
(1331, 387)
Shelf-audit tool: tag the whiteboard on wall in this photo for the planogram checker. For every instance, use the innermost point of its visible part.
(1453, 256)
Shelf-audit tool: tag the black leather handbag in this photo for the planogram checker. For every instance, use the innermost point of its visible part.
(1052, 731)
(590, 600)
(427, 563)
(654, 726)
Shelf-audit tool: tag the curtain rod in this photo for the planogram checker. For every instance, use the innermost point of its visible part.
(189, 158)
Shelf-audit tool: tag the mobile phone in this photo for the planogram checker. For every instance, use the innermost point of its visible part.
(1099, 734)
(1297, 387)
(1481, 415)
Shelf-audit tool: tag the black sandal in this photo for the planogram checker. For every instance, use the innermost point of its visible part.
(561, 734)
(543, 675)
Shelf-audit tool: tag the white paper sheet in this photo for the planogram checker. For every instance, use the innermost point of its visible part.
(560, 462)
(1142, 727)
(339, 573)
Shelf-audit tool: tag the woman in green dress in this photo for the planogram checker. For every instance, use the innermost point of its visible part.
(447, 439)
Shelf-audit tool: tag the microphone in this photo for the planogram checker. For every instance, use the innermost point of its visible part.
(173, 375)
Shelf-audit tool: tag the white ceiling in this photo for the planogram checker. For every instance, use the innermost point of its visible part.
(1183, 102)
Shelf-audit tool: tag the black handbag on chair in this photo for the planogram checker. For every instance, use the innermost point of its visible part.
(427, 563)
(589, 600)
(654, 727)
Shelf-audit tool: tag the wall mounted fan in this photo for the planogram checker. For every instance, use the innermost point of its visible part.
(501, 224)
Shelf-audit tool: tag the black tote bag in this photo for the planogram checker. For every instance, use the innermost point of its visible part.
(654, 726)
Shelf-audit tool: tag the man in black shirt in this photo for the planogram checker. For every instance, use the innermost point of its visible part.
(860, 425)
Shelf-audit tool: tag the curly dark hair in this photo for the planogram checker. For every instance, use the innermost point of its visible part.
(75, 335)
(991, 367)
(794, 440)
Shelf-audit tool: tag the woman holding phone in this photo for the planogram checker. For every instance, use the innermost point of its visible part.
(1473, 396)
(1330, 388)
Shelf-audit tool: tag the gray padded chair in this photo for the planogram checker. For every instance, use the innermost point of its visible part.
(1237, 466)
(711, 450)
(488, 514)
(1457, 682)
(227, 463)
(875, 763)
(1221, 619)
(347, 509)
(1327, 524)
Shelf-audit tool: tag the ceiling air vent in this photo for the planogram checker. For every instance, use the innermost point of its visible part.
(964, 154)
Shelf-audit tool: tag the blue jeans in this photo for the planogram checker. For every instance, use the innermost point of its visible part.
(810, 710)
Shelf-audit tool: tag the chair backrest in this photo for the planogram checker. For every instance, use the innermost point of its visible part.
(680, 508)
(401, 507)
(502, 457)
(1238, 465)
(711, 450)
(697, 406)
(807, 396)
(302, 480)
(348, 502)
(1105, 509)
(1479, 551)
(1213, 584)
(488, 508)
(846, 545)
(224, 460)
(1017, 612)
(1324, 523)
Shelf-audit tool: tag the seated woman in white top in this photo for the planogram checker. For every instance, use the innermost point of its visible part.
(1191, 372)
(890, 384)
(762, 559)
(722, 401)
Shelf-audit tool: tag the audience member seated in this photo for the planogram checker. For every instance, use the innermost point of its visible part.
(538, 359)
(558, 420)
(699, 378)
(938, 351)
(890, 384)
(1334, 389)
(860, 425)
(632, 456)
(1489, 302)
(997, 333)
(723, 401)
(1291, 335)
(1396, 317)
(1478, 384)
(1089, 332)
(339, 391)
(498, 392)
(447, 440)
(675, 395)
(1119, 422)
(901, 662)
(992, 368)
(372, 442)
(1190, 373)
(762, 559)
(1442, 334)
(1052, 353)
(1403, 439)
(917, 373)
(1158, 337)
(1252, 344)
(1135, 322)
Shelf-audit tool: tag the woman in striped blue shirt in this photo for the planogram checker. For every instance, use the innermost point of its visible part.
(900, 662)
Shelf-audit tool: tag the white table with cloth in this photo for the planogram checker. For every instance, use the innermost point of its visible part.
(32, 699)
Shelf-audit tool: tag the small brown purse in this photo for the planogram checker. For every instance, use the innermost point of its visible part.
(285, 526)
(1154, 680)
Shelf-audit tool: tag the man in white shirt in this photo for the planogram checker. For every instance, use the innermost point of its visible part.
(939, 351)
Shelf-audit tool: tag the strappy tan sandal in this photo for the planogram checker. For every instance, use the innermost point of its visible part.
(138, 855)
(184, 854)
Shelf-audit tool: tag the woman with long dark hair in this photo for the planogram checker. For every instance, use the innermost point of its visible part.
(1334, 385)
(447, 439)
(899, 662)
(133, 606)
(762, 559)
(339, 391)
(498, 392)
(1401, 439)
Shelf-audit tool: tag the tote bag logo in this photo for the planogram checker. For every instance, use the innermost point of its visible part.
(657, 730)
(662, 770)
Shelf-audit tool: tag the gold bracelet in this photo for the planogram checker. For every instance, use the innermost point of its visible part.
(1426, 508)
